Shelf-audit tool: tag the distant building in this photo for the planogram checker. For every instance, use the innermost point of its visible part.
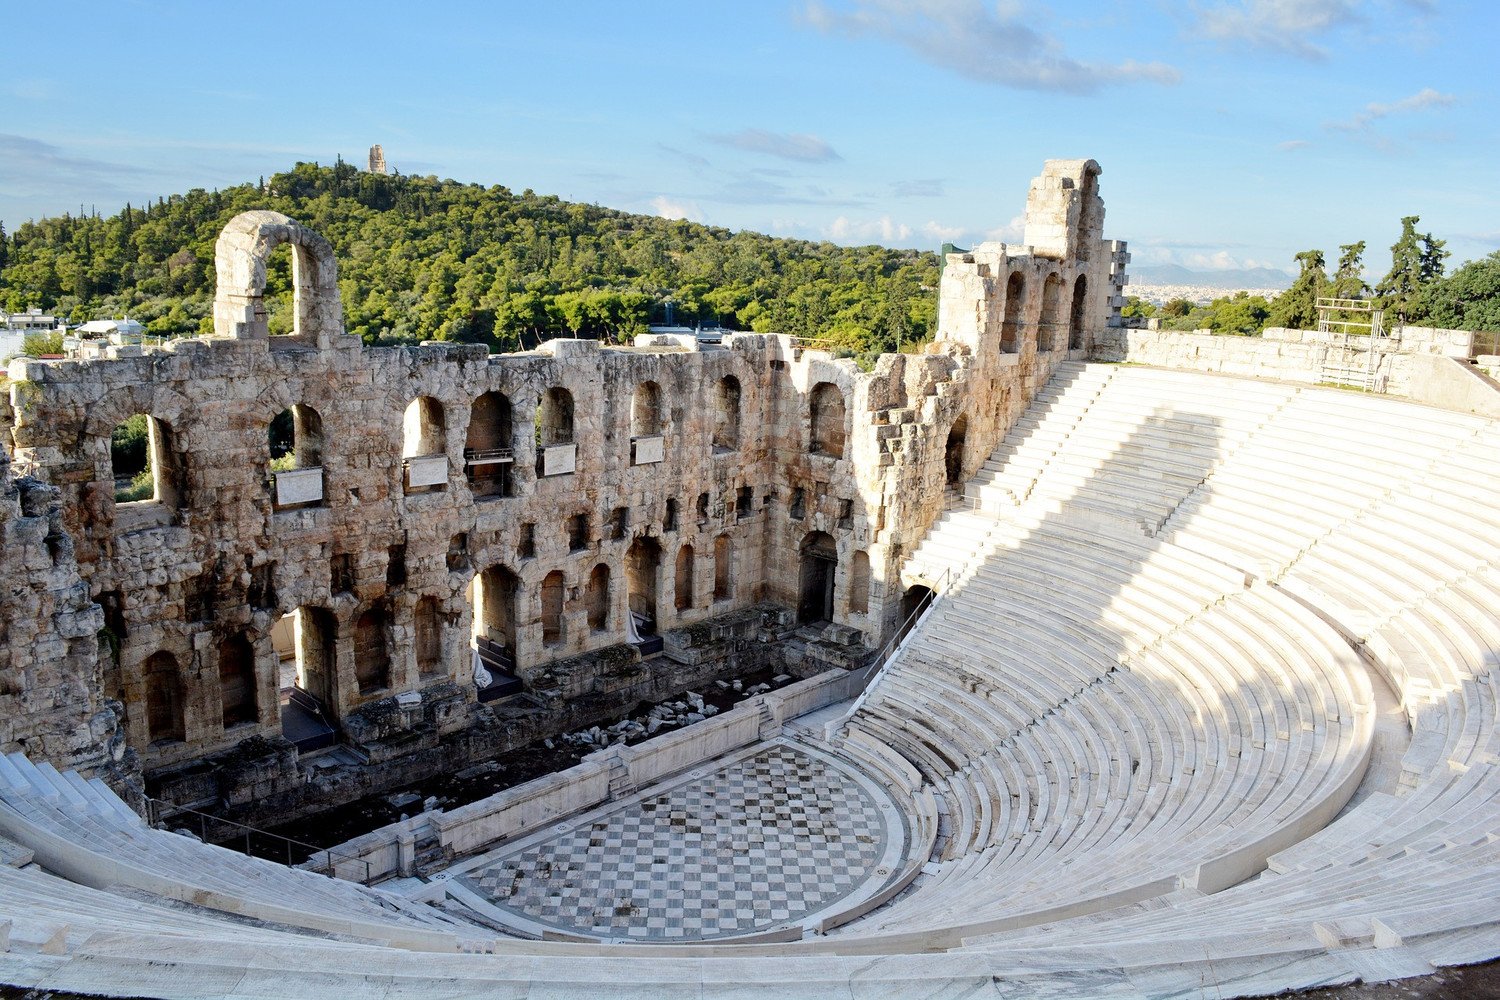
(377, 160)
(30, 321)
(116, 331)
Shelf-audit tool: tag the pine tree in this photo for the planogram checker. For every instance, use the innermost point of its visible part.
(1349, 280)
(1297, 307)
(1399, 289)
(4, 247)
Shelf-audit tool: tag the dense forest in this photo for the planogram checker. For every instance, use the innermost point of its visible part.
(428, 259)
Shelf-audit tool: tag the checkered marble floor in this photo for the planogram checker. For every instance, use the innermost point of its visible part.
(761, 842)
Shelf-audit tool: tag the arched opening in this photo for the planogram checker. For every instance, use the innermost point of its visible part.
(427, 626)
(164, 721)
(424, 444)
(727, 414)
(597, 598)
(279, 299)
(826, 417)
(859, 584)
(953, 451)
(1080, 313)
(1089, 221)
(683, 589)
(642, 565)
(493, 594)
(314, 650)
(372, 658)
(554, 433)
(914, 604)
(264, 263)
(1015, 308)
(140, 460)
(295, 437)
(552, 608)
(237, 681)
(723, 568)
(1050, 328)
(819, 571)
(488, 446)
(645, 410)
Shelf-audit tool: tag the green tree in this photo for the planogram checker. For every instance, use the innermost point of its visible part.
(1176, 308)
(1297, 307)
(4, 247)
(1349, 279)
(1469, 298)
(1137, 308)
(38, 345)
(1417, 262)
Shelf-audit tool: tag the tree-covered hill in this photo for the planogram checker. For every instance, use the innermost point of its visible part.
(422, 258)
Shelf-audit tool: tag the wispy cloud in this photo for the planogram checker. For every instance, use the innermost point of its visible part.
(691, 159)
(1425, 99)
(987, 43)
(1282, 25)
(881, 230)
(927, 188)
(24, 161)
(799, 146)
(1292, 144)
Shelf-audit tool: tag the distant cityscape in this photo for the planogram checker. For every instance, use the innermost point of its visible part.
(1198, 295)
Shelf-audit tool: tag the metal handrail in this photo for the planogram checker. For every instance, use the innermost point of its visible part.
(156, 808)
(474, 454)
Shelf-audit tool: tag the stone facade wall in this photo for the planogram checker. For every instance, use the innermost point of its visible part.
(831, 467)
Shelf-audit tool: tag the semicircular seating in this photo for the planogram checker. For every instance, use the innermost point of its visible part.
(1137, 729)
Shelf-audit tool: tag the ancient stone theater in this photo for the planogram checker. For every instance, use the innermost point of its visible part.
(1058, 660)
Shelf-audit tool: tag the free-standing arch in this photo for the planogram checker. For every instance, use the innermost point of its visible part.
(1079, 314)
(1015, 307)
(818, 573)
(240, 257)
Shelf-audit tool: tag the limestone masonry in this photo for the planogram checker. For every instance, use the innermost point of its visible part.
(549, 506)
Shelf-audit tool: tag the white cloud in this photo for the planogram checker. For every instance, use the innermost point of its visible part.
(1292, 144)
(1283, 25)
(986, 43)
(1012, 232)
(1425, 99)
(799, 146)
(939, 233)
(882, 230)
(673, 208)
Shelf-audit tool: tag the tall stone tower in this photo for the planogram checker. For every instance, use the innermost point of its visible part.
(377, 160)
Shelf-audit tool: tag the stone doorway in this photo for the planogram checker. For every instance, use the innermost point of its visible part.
(820, 566)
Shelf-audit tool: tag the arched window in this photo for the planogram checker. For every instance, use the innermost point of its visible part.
(488, 446)
(859, 584)
(428, 625)
(826, 416)
(554, 418)
(727, 414)
(645, 410)
(683, 592)
(1080, 314)
(296, 441)
(163, 698)
(1050, 330)
(140, 460)
(237, 681)
(494, 594)
(1015, 308)
(642, 565)
(424, 443)
(316, 638)
(598, 598)
(552, 608)
(723, 568)
(372, 658)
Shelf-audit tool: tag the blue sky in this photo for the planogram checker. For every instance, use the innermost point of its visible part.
(1231, 132)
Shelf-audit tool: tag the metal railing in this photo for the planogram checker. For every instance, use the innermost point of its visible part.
(158, 813)
(480, 456)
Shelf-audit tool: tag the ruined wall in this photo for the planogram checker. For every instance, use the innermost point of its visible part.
(688, 483)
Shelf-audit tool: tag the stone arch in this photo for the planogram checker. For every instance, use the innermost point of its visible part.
(317, 639)
(295, 437)
(1015, 308)
(237, 683)
(495, 597)
(953, 451)
(818, 573)
(424, 428)
(372, 656)
(427, 628)
(489, 446)
(554, 417)
(1051, 324)
(826, 420)
(1090, 225)
(240, 256)
(859, 583)
(552, 608)
(682, 591)
(1078, 317)
(727, 401)
(914, 603)
(642, 567)
(144, 462)
(597, 598)
(164, 698)
(723, 568)
(645, 410)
